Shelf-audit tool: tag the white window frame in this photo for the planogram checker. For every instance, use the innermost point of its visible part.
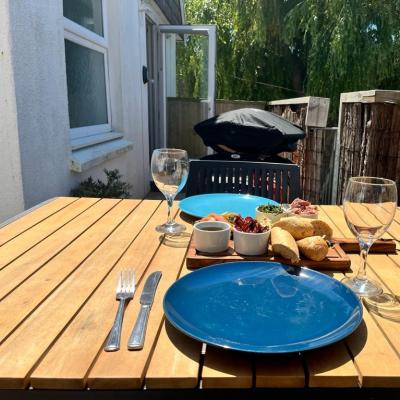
(85, 37)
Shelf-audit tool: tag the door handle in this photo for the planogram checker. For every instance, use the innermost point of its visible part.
(145, 74)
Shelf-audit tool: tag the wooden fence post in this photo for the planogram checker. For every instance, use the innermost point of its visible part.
(369, 137)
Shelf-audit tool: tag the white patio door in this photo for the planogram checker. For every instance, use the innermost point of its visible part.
(187, 90)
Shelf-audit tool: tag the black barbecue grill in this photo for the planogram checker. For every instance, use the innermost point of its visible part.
(249, 134)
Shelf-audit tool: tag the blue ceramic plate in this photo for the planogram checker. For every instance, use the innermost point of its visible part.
(262, 307)
(204, 204)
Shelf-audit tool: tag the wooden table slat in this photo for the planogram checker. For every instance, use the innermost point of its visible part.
(323, 215)
(385, 271)
(27, 240)
(397, 215)
(335, 214)
(331, 366)
(28, 263)
(372, 374)
(226, 369)
(394, 228)
(26, 297)
(17, 355)
(374, 217)
(31, 218)
(374, 358)
(59, 267)
(378, 363)
(395, 258)
(280, 371)
(370, 215)
(175, 360)
(68, 362)
(129, 368)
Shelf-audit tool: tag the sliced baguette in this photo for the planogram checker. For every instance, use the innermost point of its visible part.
(298, 227)
(321, 228)
(313, 247)
(283, 244)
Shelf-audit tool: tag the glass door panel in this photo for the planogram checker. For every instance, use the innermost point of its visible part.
(188, 85)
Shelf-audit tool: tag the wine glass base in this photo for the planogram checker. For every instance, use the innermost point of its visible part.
(363, 287)
(171, 229)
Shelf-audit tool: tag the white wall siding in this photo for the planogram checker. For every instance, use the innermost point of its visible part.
(40, 86)
(134, 110)
(34, 132)
(11, 192)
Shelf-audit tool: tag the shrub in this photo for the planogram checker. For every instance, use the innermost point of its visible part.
(113, 188)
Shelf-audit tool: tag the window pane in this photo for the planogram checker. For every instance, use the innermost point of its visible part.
(87, 97)
(87, 13)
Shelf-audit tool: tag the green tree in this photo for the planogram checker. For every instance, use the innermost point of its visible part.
(251, 48)
(315, 47)
(347, 45)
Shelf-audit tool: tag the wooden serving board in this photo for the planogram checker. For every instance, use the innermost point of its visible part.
(336, 260)
(380, 246)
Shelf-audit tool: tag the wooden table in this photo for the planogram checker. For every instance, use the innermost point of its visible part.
(58, 270)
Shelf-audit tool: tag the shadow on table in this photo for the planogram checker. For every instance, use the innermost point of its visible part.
(187, 218)
(356, 341)
(181, 240)
(189, 347)
(385, 305)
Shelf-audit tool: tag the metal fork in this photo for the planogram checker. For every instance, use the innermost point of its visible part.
(125, 291)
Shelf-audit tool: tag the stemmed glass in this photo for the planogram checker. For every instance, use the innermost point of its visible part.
(369, 207)
(170, 168)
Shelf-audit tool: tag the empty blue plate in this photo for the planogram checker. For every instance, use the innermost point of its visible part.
(204, 204)
(262, 307)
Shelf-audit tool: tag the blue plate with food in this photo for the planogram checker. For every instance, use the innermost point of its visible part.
(262, 307)
(202, 205)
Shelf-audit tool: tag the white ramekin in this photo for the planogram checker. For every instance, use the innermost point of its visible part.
(251, 244)
(211, 241)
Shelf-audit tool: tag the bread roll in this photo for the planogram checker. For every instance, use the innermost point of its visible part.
(284, 244)
(313, 247)
(321, 228)
(298, 227)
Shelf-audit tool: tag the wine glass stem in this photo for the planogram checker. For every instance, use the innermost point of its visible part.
(170, 201)
(362, 275)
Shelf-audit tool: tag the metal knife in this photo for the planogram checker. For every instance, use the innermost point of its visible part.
(136, 340)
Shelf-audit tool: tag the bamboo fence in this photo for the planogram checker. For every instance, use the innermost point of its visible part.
(369, 138)
(315, 153)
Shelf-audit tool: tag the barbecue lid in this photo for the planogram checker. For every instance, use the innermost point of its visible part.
(249, 130)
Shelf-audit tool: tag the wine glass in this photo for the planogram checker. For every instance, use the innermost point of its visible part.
(369, 207)
(169, 168)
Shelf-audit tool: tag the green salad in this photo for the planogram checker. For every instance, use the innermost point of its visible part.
(270, 209)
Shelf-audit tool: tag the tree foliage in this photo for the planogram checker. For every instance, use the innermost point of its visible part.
(250, 48)
(348, 45)
(271, 49)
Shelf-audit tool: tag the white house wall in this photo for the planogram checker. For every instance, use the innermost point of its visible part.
(40, 87)
(134, 110)
(11, 192)
(36, 131)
